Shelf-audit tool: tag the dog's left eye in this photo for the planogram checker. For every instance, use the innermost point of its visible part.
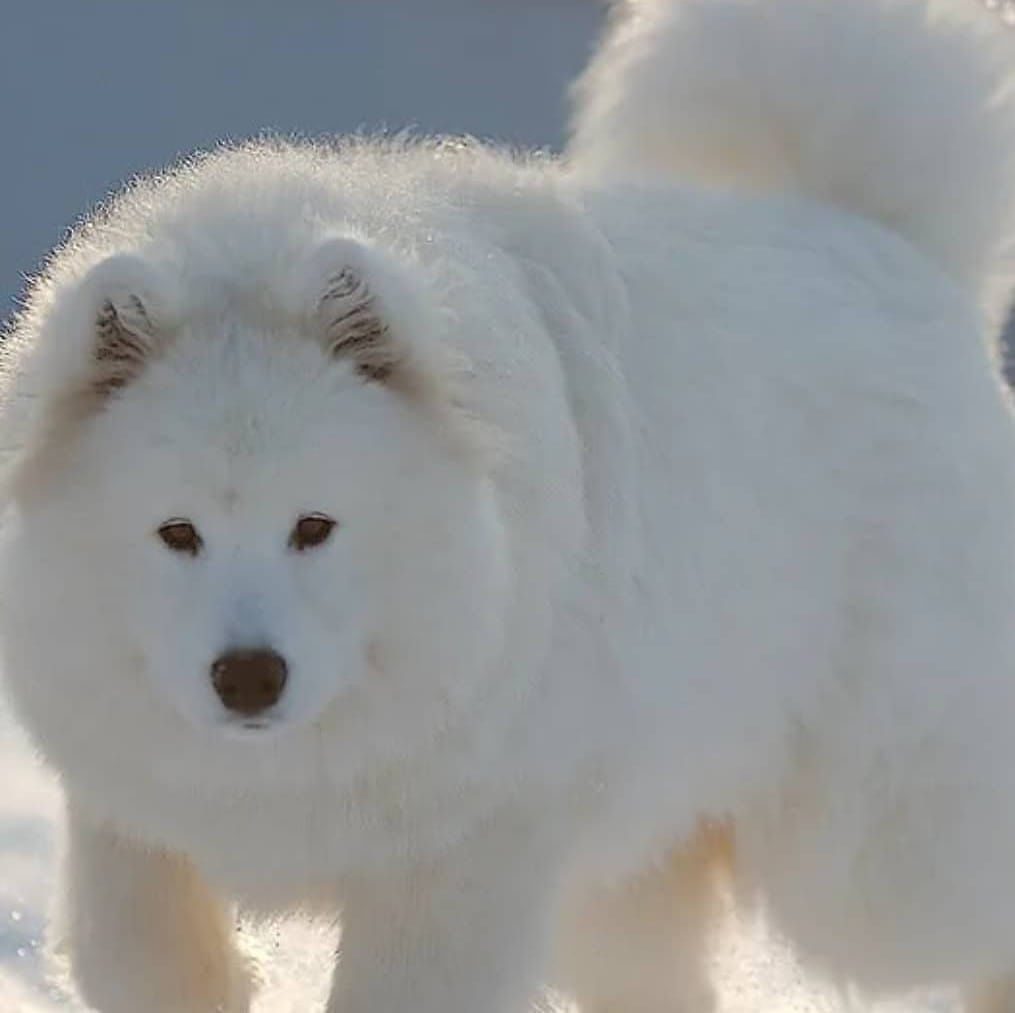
(181, 536)
(310, 531)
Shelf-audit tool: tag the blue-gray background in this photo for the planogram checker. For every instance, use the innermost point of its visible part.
(94, 91)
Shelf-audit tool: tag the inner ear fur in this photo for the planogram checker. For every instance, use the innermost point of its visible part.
(121, 346)
(129, 318)
(366, 311)
(352, 325)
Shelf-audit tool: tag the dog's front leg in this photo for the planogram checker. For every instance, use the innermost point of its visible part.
(142, 931)
(466, 934)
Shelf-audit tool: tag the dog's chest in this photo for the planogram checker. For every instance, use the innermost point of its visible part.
(273, 850)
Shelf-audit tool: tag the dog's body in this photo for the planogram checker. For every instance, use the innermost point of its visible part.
(594, 522)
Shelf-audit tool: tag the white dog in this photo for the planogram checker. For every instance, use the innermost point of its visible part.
(486, 548)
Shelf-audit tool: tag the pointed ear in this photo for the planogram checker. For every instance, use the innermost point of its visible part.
(376, 310)
(98, 334)
(362, 307)
(130, 319)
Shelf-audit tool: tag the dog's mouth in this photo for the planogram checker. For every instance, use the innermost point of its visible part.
(255, 725)
(248, 728)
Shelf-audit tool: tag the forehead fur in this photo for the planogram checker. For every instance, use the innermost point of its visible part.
(253, 414)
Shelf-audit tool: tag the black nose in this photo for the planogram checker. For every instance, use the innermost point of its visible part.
(249, 681)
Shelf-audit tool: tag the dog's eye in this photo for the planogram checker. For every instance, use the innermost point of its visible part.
(181, 536)
(310, 531)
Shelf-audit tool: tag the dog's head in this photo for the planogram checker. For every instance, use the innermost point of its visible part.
(262, 506)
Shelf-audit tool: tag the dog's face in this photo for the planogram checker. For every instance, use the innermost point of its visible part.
(275, 522)
(283, 540)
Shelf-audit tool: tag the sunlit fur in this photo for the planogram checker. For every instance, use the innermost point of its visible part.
(675, 531)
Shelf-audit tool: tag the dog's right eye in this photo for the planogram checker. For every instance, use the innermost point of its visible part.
(181, 536)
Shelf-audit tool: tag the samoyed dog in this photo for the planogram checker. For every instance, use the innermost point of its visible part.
(493, 549)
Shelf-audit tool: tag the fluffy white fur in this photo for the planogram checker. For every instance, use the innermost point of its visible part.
(907, 120)
(675, 489)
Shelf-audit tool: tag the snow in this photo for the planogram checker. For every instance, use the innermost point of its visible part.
(97, 92)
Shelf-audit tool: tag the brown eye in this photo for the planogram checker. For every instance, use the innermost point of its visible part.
(181, 536)
(310, 531)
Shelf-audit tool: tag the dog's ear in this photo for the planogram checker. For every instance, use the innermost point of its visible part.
(98, 334)
(363, 308)
(352, 325)
(380, 311)
(129, 303)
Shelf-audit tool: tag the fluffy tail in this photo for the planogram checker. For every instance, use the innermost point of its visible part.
(898, 110)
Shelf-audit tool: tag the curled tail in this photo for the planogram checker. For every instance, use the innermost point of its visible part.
(898, 110)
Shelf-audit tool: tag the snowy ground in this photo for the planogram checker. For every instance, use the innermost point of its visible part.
(757, 974)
